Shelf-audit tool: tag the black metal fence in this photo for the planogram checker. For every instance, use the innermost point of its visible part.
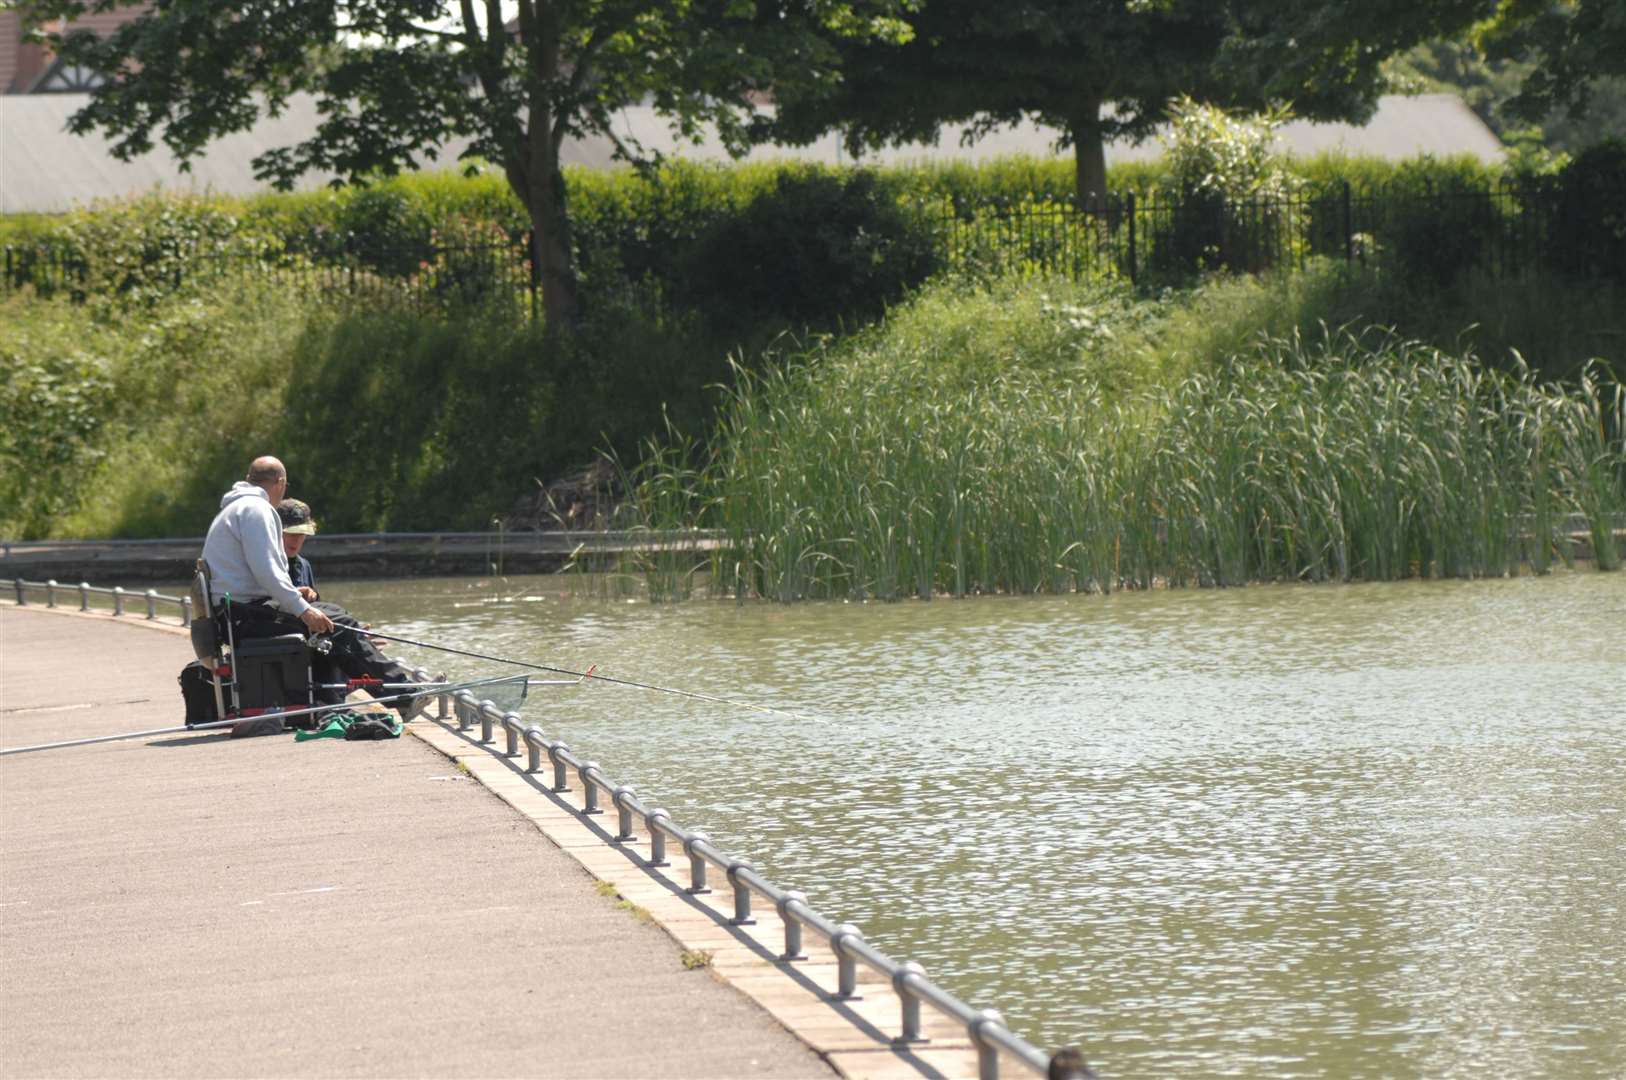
(1437, 235)
(1441, 235)
(420, 275)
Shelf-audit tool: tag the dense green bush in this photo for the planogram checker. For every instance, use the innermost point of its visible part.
(1588, 235)
(1226, 183)
(55, 395)
(433, 423)
(818, 248)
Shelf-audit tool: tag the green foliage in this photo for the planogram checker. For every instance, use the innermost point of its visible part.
(131, 422)
(139, 249)
(1349, 456)
(395, 80)
(1210, 151)
(1227, 181)
(1589, 222)
(1569, 48)
(162, 392)
(55, 395)
(818, 248)
(1060, 62)
(433, 423)
(1373, 175)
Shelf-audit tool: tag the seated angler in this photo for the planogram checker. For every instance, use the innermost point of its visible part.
(297, 526)
(249, 565)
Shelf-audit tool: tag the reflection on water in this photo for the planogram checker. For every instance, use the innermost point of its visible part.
(1362, 831)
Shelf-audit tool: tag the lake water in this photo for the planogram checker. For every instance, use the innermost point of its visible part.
(1354, 831)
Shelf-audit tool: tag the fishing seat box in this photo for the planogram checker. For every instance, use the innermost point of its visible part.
(272, 671)
(265, 671)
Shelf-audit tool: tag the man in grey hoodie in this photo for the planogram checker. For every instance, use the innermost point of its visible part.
(244, 550)
(248, 566)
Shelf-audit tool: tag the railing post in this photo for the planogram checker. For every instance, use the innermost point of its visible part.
(1129, 200)
(152, 603)
(619, 796)
(987, 1053)
(488, 712)
(22, 592)
(186, 609)
(511, 727)
(906, 996)
(657, 838)
(561, 775)
(50, 592)
(697, 863)
(533, 745)
(742, 894)
(847, 973)
(84, 596)
(589, 789)
(793, 929)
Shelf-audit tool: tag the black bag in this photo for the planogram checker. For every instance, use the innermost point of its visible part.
(198, 691)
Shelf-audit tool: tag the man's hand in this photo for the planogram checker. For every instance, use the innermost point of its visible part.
(307, 594)
(316, 622)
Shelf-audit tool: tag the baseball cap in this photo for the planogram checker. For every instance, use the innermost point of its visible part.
(296, 517)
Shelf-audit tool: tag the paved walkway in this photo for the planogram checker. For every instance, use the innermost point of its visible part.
(191, 905)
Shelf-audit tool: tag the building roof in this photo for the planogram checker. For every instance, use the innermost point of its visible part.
(44, 169)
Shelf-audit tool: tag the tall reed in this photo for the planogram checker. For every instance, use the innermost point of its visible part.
(1357, 455)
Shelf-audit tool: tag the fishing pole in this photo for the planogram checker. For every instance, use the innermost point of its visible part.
(315, 710)
(590, 673)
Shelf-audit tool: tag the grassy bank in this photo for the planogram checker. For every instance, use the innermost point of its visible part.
(126, 416)
(128, 420)
(1056, 438)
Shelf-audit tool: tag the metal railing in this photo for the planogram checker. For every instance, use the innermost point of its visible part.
(985, 1027)
(151, 597)
(1507, 229)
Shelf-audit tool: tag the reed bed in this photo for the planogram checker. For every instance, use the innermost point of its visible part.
(1353, 456)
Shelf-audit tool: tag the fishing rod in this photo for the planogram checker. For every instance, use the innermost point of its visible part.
(315, 710)
(590, 673)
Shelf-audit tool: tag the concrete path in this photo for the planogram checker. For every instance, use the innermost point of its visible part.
(189, 905)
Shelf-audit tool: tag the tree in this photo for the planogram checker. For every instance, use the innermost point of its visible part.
(1572, 44)
(394, 78)
(1100, 70)
(1061, 62)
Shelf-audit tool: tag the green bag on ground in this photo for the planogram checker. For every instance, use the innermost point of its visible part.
(354, 726)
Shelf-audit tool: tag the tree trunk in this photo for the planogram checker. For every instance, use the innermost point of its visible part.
(543, 183)
(550, 222)
(1089, 154)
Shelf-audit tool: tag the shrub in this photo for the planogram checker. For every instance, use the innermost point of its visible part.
(1227, 184)
(1589, 228)
(56, 389)
(817, 248)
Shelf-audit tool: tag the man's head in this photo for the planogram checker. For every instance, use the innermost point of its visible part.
(267, 472)
(297, 524)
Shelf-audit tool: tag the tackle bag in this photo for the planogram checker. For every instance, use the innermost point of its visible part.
(198, 691)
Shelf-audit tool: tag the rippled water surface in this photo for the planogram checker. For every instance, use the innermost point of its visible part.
(1362, 831)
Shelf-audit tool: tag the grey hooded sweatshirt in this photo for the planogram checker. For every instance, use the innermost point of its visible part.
(244, 551)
